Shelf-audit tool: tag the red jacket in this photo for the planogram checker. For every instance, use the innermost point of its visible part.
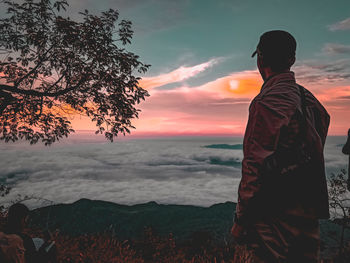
(274, 120)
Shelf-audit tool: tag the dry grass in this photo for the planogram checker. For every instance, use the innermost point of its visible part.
(105, 248)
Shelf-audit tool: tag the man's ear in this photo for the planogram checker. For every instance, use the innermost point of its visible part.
(261, 61)
(291, 61)
(24, 220)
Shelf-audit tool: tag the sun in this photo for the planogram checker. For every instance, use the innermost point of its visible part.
(234, 84)
(246, 85)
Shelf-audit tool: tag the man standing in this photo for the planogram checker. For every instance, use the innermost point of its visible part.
(283, 190)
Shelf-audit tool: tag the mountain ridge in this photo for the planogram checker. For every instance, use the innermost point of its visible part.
(128, 222)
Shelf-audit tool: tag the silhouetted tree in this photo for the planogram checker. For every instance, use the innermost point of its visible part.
(339, 200)
(52, 66)
(346, 151)
(4, 190)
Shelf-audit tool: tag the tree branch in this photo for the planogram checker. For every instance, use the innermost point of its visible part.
(35, 68)
(7, 99)
(14, 89)
(54, 84)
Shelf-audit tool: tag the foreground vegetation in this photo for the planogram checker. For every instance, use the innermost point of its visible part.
(105, 247)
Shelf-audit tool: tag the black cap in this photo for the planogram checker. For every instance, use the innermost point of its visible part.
(276, 43)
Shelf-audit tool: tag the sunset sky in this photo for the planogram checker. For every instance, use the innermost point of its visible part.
(201, 83)
(202, 77)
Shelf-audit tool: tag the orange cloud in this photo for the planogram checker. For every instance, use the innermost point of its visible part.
(221, 106)
(244, 84)
(332, 94)
(216, 107)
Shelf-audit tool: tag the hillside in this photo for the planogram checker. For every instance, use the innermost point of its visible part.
(128, 222)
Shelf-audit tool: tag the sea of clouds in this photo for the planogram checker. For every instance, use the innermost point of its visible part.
(183, 170)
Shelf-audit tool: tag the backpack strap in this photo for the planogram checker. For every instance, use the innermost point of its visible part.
(303, 108)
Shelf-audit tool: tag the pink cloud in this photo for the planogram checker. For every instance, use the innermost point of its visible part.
(335, 48)
(330, 82)
(332, 94)
(216, 107)
(337, 102)
(177, 75)
(220, 106)
(323, 74)
(341, 25)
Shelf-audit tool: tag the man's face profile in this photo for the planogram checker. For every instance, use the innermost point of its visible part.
(260, 64)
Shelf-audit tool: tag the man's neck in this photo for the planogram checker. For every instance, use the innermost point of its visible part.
(268, 73)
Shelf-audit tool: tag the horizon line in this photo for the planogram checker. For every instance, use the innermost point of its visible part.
(174, 134)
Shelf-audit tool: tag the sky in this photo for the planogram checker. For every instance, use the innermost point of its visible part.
(201, 82)
(203, 78)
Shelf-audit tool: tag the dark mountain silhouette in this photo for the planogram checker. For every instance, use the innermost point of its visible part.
(225, 146)
(128, 222)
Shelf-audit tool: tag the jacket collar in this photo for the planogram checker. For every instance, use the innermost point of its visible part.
(277, 78)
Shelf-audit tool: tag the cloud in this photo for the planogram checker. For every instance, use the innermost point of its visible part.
(334, 159)
(180, 74)
(336, 101)
(344, 97)
(333, 49)
(216, 107)
(129, 172)
(329, 81)
(167, 170)
(334, 94)
(244, 84)
(321, 73)
(342, 25)
(220, 106)
(236, 85)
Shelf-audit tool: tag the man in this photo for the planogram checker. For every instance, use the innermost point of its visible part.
(277, 212)
(11, 249)
(16, 221)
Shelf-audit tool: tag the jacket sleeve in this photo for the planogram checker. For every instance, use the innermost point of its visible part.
(267, 117)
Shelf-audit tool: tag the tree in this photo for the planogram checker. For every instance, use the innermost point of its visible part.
(339, 201)
(52, 66)
(4, 190)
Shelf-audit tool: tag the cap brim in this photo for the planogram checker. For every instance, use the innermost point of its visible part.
(253, 55)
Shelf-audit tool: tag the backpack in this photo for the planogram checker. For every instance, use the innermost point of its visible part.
(11, 248)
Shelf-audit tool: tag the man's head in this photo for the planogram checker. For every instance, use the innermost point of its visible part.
(17, 216)
(276, 52)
